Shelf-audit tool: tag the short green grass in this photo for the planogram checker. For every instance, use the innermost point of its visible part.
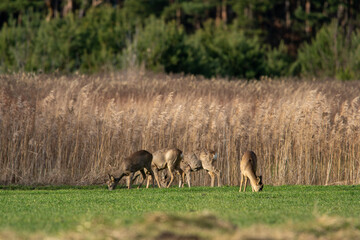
(54, 209)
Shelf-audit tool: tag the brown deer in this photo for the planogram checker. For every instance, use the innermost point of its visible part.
(248, 170)
(193, 162)
(136, 162)
(166, 158)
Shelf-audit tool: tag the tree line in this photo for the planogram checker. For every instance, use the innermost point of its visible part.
(227, 38)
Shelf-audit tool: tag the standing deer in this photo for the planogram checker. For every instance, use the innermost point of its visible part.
(202, 160)
(136, 162)
(248, 170)
(166, 158)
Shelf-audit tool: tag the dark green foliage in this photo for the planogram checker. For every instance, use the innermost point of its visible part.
(9, 7)
(331, 55)
(242, 39)
(278, 62)
(211, 51)
(161, 46)
(104, 39)
(222, 52)
(140, 10)
(90, 44)
(17, 43)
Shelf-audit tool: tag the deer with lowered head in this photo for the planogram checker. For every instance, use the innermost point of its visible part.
(193, 162)
(138, 161)
(248, 171)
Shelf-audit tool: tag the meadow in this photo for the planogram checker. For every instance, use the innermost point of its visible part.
(60, 136)
(73, 130)
(53, 211)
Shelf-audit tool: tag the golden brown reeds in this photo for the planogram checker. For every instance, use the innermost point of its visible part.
(74, 129)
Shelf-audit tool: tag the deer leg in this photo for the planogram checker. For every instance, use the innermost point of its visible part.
(171, 180)
(246, 180)
(241, 180)
(128, 182)
(151, 176)
(130, 178)
(218, 177)
(181, 180)
(187, 172)
(171, 170)
(188, 178)
(148, 181)
(147, 175)
(135, 177)
(212, 175)
(155, 173)
(143, 177)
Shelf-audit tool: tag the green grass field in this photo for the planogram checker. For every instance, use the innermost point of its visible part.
(54, 209)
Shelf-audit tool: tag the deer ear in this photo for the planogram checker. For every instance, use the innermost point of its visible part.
(259, 178)
(111, 177)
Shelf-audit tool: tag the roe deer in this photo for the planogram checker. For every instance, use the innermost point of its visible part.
(136, 162)
(248, 170)
(193, 162)
(166, 158)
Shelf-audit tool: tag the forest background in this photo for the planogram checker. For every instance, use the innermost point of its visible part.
(214, 38)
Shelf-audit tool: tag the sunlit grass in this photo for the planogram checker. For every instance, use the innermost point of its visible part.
(62, 209)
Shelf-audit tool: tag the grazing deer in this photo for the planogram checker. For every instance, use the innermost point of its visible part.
(248, 170)
(166, 158)
(190, 163)
(136, 162)
(202, 160)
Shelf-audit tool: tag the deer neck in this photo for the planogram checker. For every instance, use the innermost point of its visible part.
(119, 178)
(251, 175)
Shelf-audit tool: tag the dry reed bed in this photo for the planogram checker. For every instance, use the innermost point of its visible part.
(74, 129)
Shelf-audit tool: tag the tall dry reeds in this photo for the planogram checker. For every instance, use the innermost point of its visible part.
(74, 129)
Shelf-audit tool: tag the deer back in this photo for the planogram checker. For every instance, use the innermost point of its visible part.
(137, 161)
(248, 162)
(173, 156)
(163, 157)
(159, 159)
(193, 161)
(208, 159)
